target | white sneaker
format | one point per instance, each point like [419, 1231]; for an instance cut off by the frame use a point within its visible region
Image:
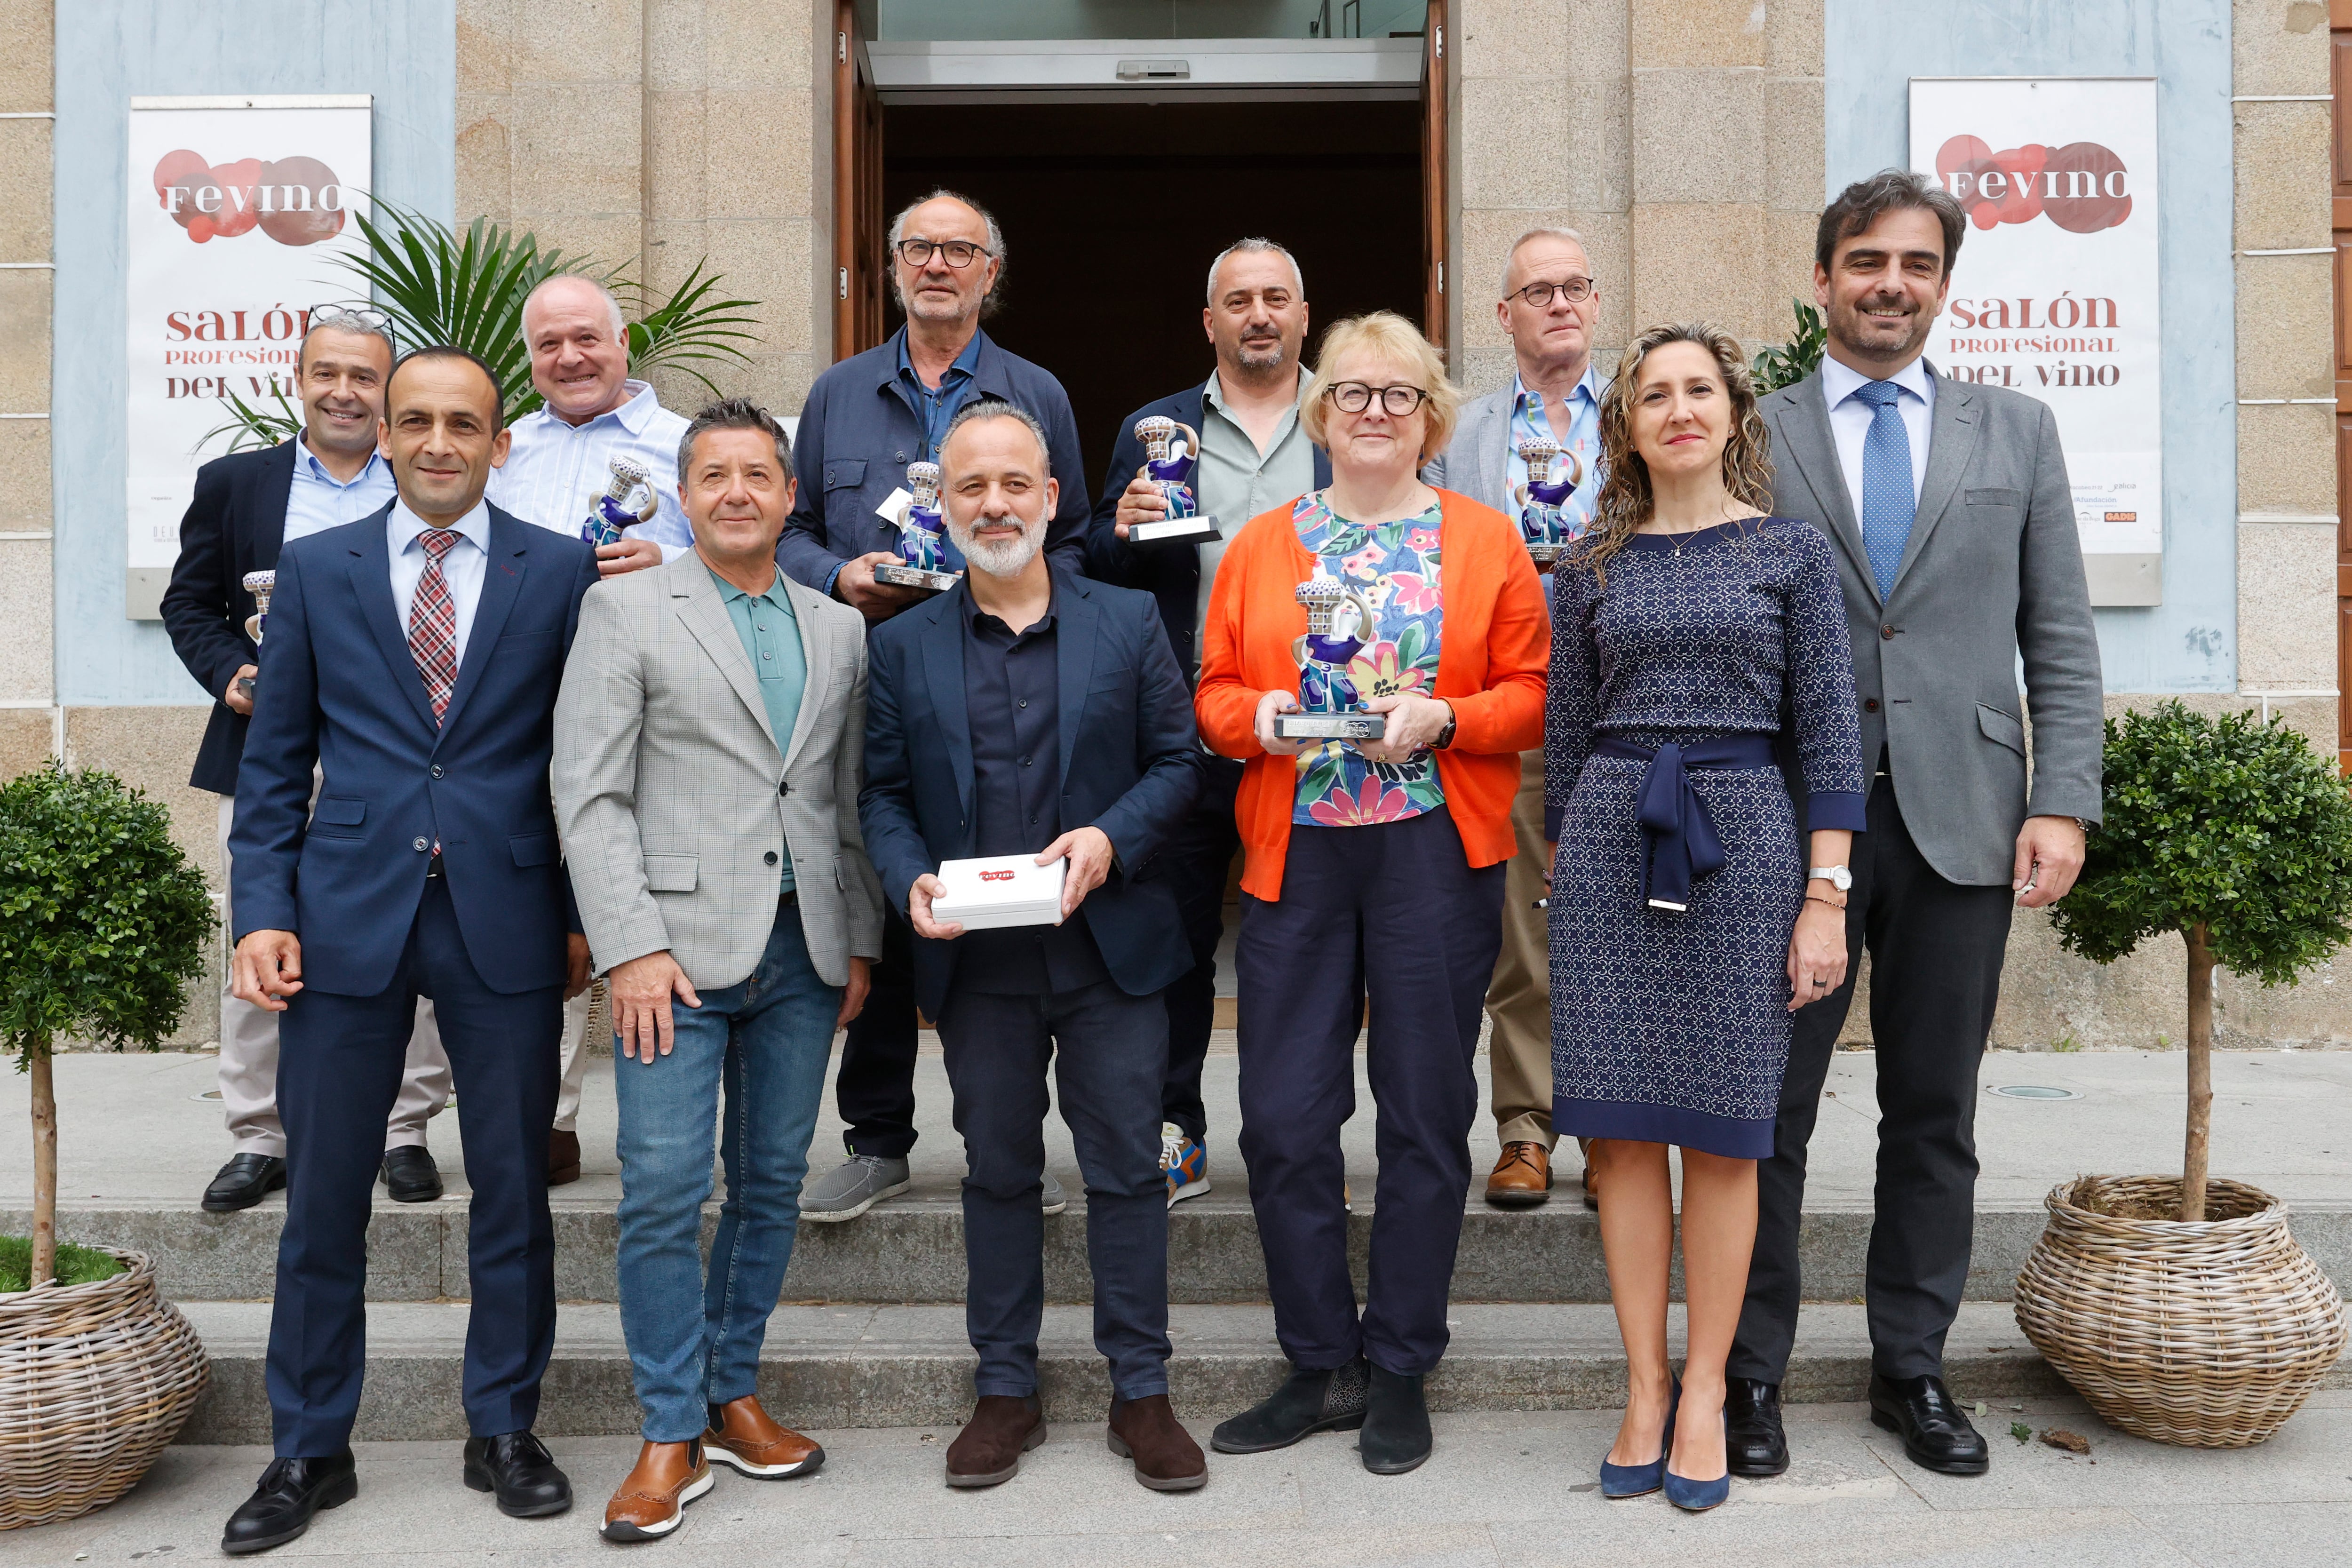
[1185, 1163]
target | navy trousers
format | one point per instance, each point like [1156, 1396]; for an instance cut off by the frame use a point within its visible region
[339, 1069]
[874, 1089]
[1195, 863]
[1108, 1051]
[1393, 913]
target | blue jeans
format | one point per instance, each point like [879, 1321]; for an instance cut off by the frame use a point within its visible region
[766, 1041]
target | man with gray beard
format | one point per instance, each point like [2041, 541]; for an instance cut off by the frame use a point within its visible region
[1029, 712]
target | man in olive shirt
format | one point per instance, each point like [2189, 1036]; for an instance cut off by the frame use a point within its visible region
[1255, 456]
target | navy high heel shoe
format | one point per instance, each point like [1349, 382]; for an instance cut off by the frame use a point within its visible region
[1696, 1496]
[1640, 1480]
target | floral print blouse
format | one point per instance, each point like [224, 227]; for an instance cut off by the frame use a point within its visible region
[1383, 640]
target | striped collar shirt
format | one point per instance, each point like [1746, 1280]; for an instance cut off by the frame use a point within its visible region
[555, 471]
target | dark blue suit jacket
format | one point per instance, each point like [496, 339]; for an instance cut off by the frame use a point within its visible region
[234, 524]
[1168, 573]
[1131, 766]
[338, 687]
[858, 432]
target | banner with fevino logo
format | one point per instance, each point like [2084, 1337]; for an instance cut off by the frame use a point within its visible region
[239, 208]
[2055, 289]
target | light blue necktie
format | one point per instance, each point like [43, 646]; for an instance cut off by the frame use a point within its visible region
[1888, 502]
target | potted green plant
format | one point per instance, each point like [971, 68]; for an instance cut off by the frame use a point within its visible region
[2180, 1307]
[103, 924]
[1790, 364]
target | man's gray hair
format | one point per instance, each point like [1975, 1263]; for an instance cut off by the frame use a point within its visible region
[1503, 289]
[734, 414]
[363, 321]
[1256, 245]
[899, 232]
[620, 322]
[997, 408]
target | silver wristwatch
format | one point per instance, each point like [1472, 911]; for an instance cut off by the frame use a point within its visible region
[1838, 877]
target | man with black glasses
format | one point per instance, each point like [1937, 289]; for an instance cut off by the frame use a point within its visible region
[866, 419]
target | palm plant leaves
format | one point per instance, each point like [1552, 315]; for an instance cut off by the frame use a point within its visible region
[1789, 364]
[689, 329]
[251, 427]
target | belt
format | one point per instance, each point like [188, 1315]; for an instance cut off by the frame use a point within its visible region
[1678, 837]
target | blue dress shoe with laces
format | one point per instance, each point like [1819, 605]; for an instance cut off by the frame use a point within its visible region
[1697, 1496]
[1641, 1480]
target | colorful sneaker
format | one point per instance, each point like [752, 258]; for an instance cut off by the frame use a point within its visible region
[1186, 1163]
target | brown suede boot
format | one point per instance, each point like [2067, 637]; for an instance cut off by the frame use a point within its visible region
[743, 1437]
[652, 1500]
[988, 1451]
[1147, 1431]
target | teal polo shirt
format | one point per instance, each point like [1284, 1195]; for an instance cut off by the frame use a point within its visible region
[772, 641]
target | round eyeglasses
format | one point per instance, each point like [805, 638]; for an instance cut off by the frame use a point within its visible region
[358, 318]
[1575, 290]
[955, 252]
[1355, 396]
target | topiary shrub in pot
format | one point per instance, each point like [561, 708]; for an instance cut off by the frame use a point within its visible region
[2180, 1307]
[102, 921]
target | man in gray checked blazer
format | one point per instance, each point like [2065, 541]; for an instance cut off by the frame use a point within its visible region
[709, 753]
[1948, 507]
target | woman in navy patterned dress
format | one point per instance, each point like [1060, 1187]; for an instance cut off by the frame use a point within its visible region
[1688, 630]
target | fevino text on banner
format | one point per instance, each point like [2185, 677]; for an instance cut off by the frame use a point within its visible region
[2055, 293]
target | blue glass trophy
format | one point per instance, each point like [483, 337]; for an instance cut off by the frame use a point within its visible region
[258, 584]
[1171, 451]
[1543, 500]
[922, 538]
[628, 499]
[1329, 707]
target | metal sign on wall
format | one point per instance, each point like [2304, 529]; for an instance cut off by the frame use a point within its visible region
[238, 209]
[2055, 290]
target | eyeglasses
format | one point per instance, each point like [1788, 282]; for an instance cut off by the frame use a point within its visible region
[1576, 291]
[352, 318]
[957, 252]
[1355, 396]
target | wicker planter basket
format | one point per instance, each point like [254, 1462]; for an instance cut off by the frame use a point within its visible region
[94, 1381]
[2209, 1335]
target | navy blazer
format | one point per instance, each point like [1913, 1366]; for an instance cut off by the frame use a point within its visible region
[858, 432]
[234, 524]
[339, 688]
[1168, 575]
[1131, 766]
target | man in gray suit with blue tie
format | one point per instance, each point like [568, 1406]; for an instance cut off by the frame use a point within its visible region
[1954, 528]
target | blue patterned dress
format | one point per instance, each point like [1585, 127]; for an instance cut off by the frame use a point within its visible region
[1668, 1026]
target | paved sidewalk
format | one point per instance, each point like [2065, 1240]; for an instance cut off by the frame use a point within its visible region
[1503, 1489]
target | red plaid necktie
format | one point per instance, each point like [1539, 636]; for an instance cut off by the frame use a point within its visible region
[433, 622]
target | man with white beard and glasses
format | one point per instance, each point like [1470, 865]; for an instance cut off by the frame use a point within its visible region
[1029, 712]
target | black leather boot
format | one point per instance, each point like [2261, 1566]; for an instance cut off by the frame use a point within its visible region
[1396, 1425]
[1307, 1401]
[1752, 1433]
[516, 1469]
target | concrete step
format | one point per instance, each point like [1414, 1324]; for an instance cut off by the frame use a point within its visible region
[911, 1367]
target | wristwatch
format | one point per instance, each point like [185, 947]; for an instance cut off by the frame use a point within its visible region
[1446, 736]
[1838, 877]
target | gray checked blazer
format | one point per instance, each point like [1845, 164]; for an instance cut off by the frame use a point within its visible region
[1992, 575]
[674, 799]
[1476, 461]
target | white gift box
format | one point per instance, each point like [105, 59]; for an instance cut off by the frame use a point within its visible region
[1013, 890]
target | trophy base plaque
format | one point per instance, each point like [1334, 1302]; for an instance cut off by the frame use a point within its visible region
[1175, 530]
[1330, 726]
[1546, 555]
[900, 575]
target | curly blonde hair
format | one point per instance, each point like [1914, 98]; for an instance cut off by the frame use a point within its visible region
[1626, 502]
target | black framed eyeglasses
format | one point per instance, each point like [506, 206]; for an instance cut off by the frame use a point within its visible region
[956, 252]
[1575, 290]
[1355, 396]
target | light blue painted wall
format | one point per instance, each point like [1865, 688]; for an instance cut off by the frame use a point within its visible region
[402, 51]
[2190, 643]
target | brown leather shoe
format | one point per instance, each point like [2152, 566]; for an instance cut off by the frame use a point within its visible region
[563, 1157]
[988, 1451]
[652, 1500]
[1591, 1188]
[1147, 1431]
[1522, 1178]
[747, 1440]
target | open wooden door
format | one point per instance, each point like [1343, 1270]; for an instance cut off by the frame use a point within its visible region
[2340, 148]
[858, 264]
[1433, 159]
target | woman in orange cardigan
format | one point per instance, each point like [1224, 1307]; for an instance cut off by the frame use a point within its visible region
[1372, 871]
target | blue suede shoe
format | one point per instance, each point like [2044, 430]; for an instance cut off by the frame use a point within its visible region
[1696, 1496]
[1640, 1480]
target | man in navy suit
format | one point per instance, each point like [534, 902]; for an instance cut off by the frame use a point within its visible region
[413, 657]
[1028, 713]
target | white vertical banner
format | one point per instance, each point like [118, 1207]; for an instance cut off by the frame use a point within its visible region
[2055, 289]
[239, 208]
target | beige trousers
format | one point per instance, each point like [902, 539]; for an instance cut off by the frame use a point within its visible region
[1520, 999]
[575, 1062]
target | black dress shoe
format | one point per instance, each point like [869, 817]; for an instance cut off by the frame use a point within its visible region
[1307, 1401]
[519, 1468]
[410, 1176]
[1934, 1431]
[1751, 1427]
[290, 1492]
[1396, 1425]
[243, 1182]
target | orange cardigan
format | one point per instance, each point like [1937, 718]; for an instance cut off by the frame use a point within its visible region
[1494, 652]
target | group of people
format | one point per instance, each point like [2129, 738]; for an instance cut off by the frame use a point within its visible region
[1643, 805]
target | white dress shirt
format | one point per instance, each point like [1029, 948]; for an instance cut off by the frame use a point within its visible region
[555, 471]
[1850, 419]
[317, 500]
[462, 568]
